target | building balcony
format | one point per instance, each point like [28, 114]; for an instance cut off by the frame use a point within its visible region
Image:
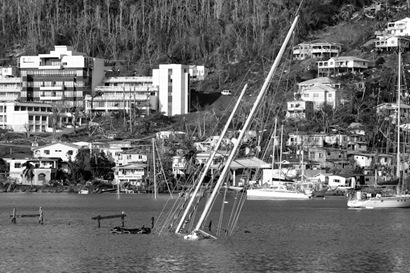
[50, 67]
[130, 176]
[324, 50]
[15, 80]
[117, 97]
[9, 97]
[126, 89]
[54, 88]
[10, 88]
[52, 98]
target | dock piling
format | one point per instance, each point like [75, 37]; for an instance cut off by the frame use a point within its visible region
[14, 216]
[99, 218]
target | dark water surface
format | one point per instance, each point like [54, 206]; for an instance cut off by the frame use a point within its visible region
[271, 236]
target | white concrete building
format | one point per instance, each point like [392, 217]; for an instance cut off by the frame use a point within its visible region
[173, 86]
[32, 117]
[392, 43]
[44, 170]
[133, 173]
[65, 151]
[198, 72]
[10, 88]
[128, 157]
[62, 77]
[399, 28]
[124, 94]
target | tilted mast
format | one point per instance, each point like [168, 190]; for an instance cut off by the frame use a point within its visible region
[209, 202]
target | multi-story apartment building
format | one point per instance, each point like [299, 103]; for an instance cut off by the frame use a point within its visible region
[122, 93]
[61, 77]
[316, 50]
[173, 87]
[10, 88]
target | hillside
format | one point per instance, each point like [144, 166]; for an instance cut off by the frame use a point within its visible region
[237, 41]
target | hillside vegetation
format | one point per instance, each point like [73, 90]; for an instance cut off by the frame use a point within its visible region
[236, 40]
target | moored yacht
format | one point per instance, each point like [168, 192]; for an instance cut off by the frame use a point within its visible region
[282, 191]
[359, 199]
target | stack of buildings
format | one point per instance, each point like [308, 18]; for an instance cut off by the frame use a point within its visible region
[45, 90]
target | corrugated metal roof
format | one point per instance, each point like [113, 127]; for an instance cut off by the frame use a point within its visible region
[249, 163]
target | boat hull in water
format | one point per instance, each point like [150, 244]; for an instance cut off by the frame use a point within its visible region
[319, 193]
[275, 194]
[358, 200]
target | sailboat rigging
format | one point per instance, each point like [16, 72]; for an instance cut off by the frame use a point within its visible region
[195, 231]
[358, 199]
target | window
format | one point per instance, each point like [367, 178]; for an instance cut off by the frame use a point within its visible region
[57, 151]
[129, 157]
[70, 152]
[46, 152]
[17, 165]
[337, 180]
[315, 95]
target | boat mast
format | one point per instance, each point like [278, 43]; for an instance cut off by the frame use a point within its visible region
[398, 116]
[154, 167]
[209, 202]
[209, 162]
[273, 147]
[280, 154]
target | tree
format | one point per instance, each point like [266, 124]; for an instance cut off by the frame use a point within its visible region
[28, 172]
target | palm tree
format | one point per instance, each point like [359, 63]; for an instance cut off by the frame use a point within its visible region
[28, 172]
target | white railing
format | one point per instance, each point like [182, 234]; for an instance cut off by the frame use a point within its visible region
[57, 87]
[51, 98]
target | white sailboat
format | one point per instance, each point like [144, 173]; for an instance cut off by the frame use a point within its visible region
[279, 190]
[360, 199]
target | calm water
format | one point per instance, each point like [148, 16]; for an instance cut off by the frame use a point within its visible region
[279, 236]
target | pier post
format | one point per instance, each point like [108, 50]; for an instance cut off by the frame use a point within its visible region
[13, 217]
[123, 218]
[40, 219]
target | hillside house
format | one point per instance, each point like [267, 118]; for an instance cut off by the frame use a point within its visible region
[128, 157]
[392, 43]
[342, 65]
[342, 181]
[316, 50]
[198, 72]
[320, 91]
[44, 170]
[133, 173]
[179, 162]
[328, 158]
[65, 151]
[299, 109]
[305, 140]
[399, 28]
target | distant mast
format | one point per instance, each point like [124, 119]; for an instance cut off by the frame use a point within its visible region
[398, 115]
